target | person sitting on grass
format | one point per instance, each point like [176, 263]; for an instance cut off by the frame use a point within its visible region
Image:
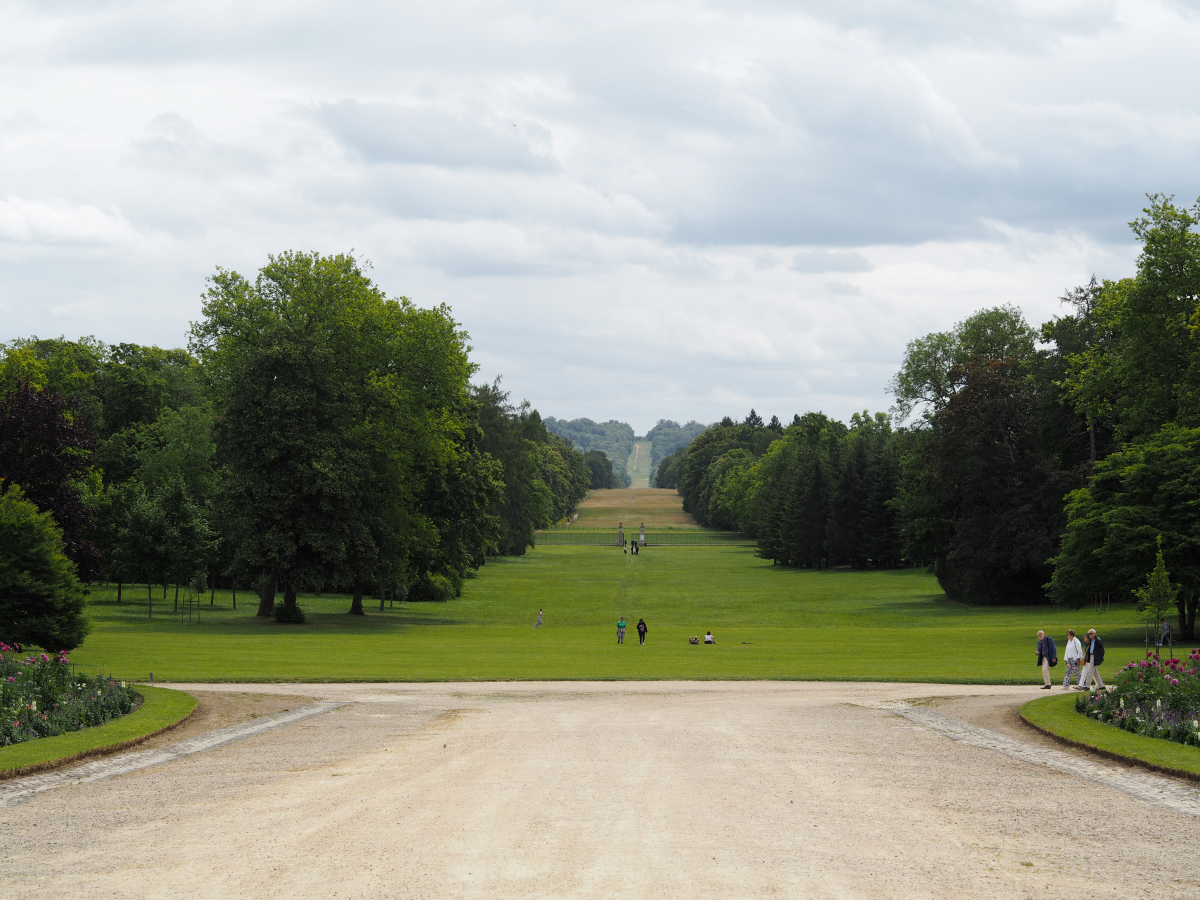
[709, 639]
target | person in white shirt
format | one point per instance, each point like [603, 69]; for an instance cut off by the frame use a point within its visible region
[709, 639]
[1073, 657]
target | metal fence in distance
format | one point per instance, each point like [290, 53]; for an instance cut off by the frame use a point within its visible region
[606, 538]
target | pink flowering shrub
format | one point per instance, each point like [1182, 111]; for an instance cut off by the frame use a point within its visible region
[40, 696]
[1155, 697]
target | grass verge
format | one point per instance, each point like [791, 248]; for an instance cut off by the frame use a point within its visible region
[1056, 717]
[161, 709]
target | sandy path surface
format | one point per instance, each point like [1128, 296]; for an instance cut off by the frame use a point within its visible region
[611, 790]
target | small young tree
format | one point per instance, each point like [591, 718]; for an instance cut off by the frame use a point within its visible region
[1156, 599]
[41, 599]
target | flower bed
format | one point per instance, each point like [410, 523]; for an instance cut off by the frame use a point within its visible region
[41, 697]
[1156, 698]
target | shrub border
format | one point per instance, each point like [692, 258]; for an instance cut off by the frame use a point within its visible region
[1056, 718]
[161, 710]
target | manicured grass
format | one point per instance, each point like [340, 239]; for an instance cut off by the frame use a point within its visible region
[161, 709]
[1057, 715]
[770, 622]
[657, 507]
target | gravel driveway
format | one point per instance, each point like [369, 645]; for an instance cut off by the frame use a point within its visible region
[605, 790]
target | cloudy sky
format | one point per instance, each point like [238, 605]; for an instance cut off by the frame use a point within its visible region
[638, 210]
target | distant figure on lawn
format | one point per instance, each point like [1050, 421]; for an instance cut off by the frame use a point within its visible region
[1093, 655]
[633, 546]
[1047, 656]
[1164, 635]
[642, 629]
[1073, 656]
[621, 625]
[709, 639]
[538, 623]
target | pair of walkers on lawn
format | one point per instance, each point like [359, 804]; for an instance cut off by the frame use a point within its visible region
[641, 630]
[1082, 659]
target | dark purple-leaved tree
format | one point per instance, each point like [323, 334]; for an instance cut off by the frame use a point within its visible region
[48, 454]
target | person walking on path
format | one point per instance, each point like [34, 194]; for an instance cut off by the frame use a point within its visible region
[1047, 656]
[1093, 655]
[1164, 636]
[538, 623]
[642, 629]
[1072, 656]
[621, 625]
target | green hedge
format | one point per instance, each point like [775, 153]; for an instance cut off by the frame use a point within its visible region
[161, 709]
[1056, 715]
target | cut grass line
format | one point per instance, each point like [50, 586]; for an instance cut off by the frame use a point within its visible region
[1056, 718]
[161, 710]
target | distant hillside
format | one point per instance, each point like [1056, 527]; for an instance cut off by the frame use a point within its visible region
[612, 438]
[666, 437]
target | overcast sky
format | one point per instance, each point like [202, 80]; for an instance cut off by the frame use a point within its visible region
[638, 210]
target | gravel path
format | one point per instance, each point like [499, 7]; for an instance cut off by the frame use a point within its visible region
[610, 790]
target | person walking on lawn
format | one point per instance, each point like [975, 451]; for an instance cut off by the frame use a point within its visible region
[1072, 656]
[538, 623]
[621, 626]
[1093, 655]
[1047, 656]
[642, 629]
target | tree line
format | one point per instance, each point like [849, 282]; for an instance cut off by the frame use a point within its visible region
[315, 435]
[1019, 464]
[606, 447]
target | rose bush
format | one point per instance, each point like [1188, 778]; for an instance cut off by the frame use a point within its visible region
[1157, 698]
[40, 696]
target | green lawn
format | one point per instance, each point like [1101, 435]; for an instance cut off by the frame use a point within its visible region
[1057, 715]
[160, 709]
[770, 622]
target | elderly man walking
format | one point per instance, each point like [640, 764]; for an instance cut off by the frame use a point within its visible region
[1093, 655]
[1047, 656]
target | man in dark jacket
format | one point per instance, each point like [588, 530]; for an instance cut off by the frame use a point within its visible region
[1047, 656]
[1093, 655]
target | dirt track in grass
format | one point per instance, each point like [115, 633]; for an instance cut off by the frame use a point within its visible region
[605, 790]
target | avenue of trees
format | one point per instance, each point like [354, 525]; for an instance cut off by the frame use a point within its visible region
[1019, 464]
[612, 439]
[316, 435]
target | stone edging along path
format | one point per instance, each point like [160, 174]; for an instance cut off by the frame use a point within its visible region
[19, 790]
[1156, 789]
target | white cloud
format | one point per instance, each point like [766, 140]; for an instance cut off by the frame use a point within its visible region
[638, 210]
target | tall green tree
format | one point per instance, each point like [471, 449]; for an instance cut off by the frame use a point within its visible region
[1146, 492]
[332, 403]
[41, 599]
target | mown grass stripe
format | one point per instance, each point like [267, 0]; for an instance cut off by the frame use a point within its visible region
[161, 709]
[1056, 718]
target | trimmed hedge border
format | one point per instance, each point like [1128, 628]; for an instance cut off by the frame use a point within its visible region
[1056, 718]
[161, 710]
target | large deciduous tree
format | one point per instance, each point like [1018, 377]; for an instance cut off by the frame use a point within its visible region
[1147, 492]
[45, 451]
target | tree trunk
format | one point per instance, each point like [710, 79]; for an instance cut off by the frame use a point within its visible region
[289, 598]
[119, 592]
[164, 590]
[266, 597]
[235, 594]
[213, 593]
[149, 600]
[382, 595]
[356, 607]
[176, 597]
